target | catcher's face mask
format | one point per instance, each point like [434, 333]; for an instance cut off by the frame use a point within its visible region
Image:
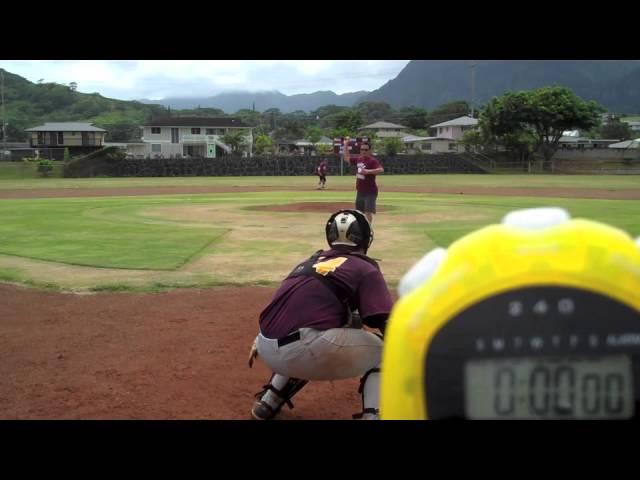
[349, 227]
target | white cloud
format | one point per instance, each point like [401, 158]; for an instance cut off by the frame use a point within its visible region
[133, 79]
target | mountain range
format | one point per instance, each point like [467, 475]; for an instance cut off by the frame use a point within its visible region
[429, 83]
[231, 102]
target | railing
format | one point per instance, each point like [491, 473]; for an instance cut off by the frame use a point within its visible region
[190, 138]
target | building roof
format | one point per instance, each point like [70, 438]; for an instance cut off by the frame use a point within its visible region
[303, 142]
[65, 127]
[566, 139]
[626, 144]
[196, 122]
[413, 138]
[458, 122]
[122, 144]
[382, 125]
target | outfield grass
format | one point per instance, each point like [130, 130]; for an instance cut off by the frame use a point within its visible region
[606, 182]
[155, 242]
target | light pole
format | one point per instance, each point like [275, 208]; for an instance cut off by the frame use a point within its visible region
[4, 118]
[473, 86]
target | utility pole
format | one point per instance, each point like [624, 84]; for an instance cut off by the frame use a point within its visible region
[473, 86]
[4, 118]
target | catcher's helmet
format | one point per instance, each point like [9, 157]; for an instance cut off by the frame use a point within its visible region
[349, 227]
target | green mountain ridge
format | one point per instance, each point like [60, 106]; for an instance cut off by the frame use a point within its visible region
[427, 83]
[29, 104]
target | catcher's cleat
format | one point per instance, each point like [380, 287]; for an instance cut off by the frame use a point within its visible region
[367, 414]
[262, 411]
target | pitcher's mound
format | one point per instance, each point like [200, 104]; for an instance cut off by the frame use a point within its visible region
[323, 207]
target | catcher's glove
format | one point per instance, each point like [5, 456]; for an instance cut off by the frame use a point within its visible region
[253, 353]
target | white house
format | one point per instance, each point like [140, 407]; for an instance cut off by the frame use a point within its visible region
[582, 143]
[454, 129]
[634, 126]
[386, 129]
[634, 144]
[414, 144]
[305, 147]
[132, 149]
[192, 136]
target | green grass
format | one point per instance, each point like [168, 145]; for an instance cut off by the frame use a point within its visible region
[19, 171]
[157, 243]
[106, 233]
[347, 181]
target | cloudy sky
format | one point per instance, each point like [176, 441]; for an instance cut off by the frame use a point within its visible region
[156, 79]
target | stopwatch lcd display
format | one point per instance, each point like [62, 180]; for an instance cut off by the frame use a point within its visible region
[536, 352]
[597, 387]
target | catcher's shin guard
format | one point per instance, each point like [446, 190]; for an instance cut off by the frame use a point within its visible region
[370, 396]
[271, 398]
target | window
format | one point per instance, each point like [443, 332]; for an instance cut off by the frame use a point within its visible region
[195, 131]
[156, 130]
[426, 146]
[156, 147]
[60, 138]
[452, 147]
[40, 138]
[209, 131]
[73, 134]
[440, 131]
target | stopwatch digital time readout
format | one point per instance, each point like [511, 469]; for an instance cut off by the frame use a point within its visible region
[531, 388]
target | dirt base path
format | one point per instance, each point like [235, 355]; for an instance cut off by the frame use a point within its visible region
[176, 355]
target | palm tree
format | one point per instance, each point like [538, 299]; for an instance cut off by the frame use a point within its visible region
[236, 140]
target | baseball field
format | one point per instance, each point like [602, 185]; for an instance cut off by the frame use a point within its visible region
[138, 298]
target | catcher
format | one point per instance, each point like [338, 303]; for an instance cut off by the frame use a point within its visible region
[310, 330]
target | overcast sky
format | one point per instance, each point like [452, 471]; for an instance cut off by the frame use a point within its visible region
[156, 79]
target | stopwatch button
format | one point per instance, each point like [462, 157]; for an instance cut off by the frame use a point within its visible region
[536, 218]
[422, 271]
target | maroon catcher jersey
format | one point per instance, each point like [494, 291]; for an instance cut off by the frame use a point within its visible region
[304, 301]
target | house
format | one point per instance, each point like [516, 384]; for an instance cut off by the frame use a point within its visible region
[414, 144]
[634, 126]
[15, 150]
[286, 146]
[584, 143]
[454, 129]
[79, 137]
[634, 144]
[305, 147]
[192, 136]
[386, 129]
[132, 149]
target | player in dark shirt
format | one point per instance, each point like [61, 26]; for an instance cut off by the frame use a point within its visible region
[366, 187]
[322, 173]
[310, 330]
